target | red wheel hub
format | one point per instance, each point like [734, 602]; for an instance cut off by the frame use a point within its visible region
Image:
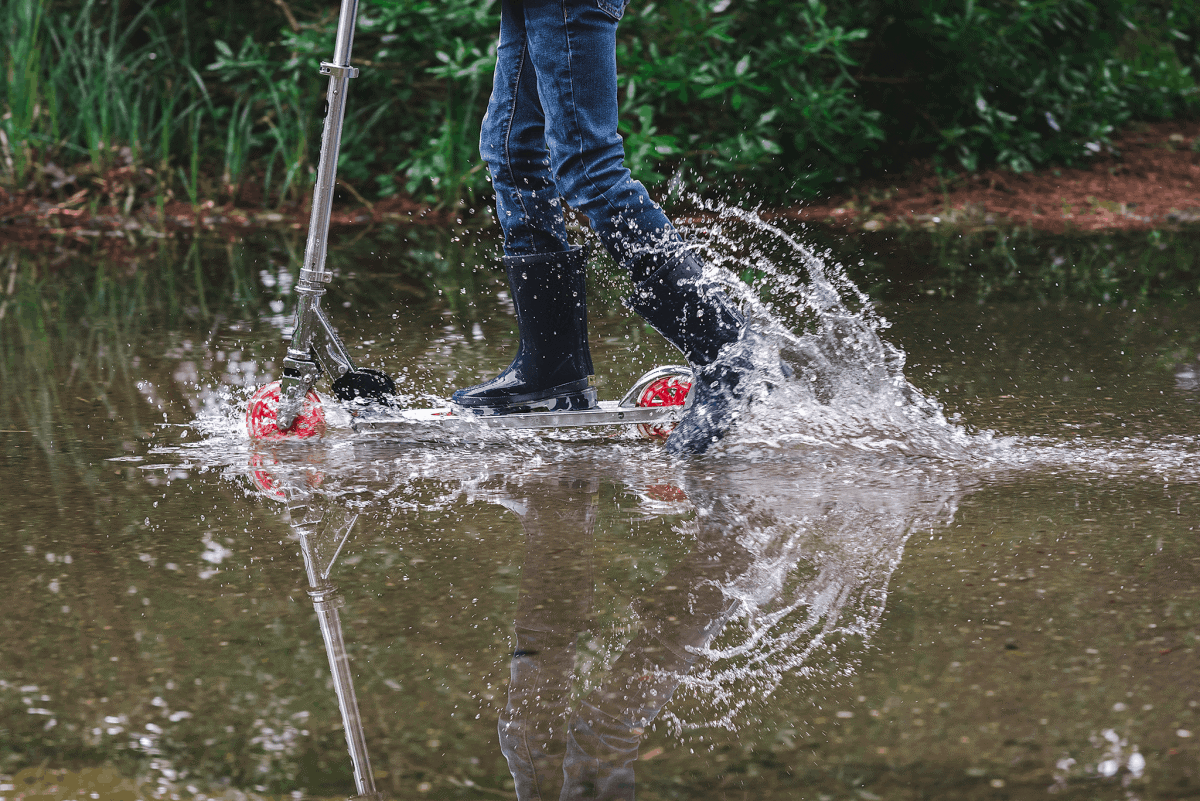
[671, 390]
[666, 492]
[260, 416]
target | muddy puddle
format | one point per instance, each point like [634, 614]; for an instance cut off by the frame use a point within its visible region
[955, 555]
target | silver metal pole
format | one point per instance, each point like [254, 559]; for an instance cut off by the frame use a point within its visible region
[340, 72]
[299, 370]
[318, 562]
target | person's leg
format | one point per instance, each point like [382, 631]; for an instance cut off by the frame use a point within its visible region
[553, 364]
[572, 46]
[513, 145]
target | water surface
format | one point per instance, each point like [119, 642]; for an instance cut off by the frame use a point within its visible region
[955, 557]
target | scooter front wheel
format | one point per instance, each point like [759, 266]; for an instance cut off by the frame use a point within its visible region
[261, 415]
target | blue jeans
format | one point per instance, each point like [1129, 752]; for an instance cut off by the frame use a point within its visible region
[550, 134]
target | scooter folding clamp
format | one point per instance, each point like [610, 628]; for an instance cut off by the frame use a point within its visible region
[315, 276]
[326, 597]
[303, 369]
[338, 71]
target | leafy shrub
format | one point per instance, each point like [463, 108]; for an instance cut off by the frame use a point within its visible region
[746, 88]
[414, 115]
[1024, 82]
[790, 96]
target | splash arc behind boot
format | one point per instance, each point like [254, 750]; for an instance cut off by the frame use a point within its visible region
[696, 316]
[552, 370]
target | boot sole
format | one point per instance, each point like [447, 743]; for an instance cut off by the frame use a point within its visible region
[574, 396]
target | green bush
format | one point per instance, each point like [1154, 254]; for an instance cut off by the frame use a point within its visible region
[1026, 82]
[789, 96]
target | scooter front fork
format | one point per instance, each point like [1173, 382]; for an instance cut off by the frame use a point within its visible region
[314, 347]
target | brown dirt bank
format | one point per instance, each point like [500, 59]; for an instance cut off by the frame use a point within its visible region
[1149, 179]
[35, 223]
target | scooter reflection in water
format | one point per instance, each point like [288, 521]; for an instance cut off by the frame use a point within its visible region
[552, 753]
[797, 553]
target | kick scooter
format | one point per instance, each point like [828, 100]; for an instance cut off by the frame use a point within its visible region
[291, 409]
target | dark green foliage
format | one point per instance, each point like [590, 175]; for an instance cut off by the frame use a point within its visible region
[1026, 82]
[751, 88]
[788, 96]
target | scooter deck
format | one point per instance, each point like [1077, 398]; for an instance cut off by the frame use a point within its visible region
[608, 413]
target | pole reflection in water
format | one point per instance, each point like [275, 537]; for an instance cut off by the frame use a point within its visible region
[785, 561]
[322, 528]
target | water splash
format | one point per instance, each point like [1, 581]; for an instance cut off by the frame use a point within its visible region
[828, 376]
[829, 380]
[821, 541]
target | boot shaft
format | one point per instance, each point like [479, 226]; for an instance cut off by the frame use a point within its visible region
[549, 292]
[553, 366]
[690, 310]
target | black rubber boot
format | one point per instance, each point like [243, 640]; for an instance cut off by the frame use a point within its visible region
[553, 367]
[696, 316]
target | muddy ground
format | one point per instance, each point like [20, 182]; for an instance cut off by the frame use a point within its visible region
[1149, 178]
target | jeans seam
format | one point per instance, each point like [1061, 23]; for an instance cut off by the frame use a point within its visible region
[512, 117]
[615, 15]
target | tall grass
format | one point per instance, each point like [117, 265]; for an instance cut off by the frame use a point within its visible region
[22, 78]
[87, 88]
[271, 113]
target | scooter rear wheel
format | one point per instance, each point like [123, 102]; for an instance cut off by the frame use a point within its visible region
[261, 415]
[670, 390]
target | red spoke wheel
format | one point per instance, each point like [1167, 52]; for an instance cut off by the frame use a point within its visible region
[261, 411]
[264, 479]
[668, 493]
[671, 390]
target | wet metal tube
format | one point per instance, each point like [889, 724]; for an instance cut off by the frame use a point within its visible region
[326, 602]
[299, 369]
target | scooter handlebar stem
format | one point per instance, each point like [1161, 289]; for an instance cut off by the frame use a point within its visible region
[300, 370]
[340, 72]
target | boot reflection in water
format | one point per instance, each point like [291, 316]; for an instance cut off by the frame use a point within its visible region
[554, 606]
[549, 136]
[590, 754]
